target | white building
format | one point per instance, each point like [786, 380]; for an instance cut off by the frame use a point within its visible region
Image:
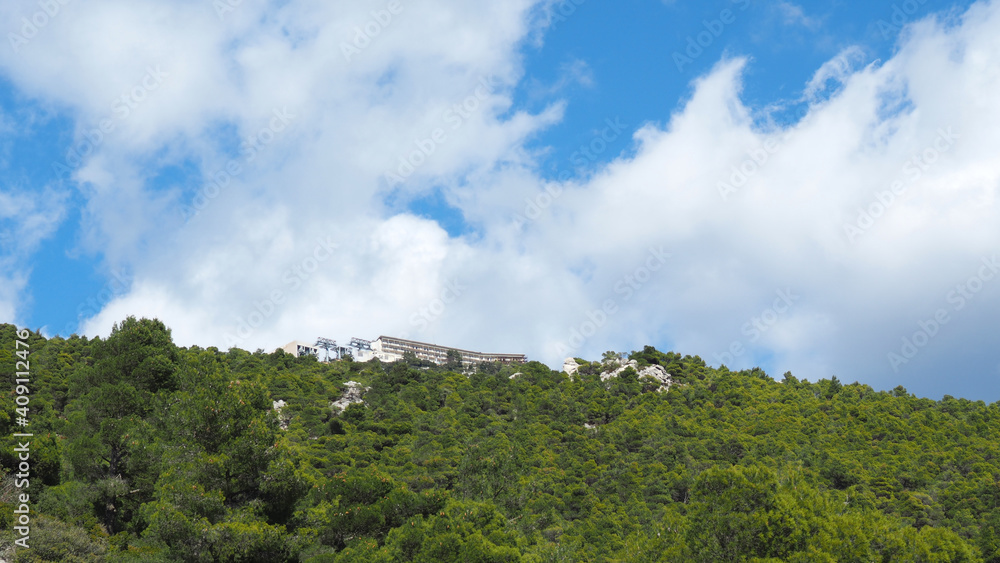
[298, 349]
[389, 349]
[362, 355]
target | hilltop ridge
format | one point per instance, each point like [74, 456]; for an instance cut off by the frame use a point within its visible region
[143, 451]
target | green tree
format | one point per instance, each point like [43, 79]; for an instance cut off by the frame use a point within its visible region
[107, 416]
[453, 361]
[737, 516]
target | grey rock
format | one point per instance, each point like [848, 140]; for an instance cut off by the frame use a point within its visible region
[655, 372]
[282, 419]
[354, 393]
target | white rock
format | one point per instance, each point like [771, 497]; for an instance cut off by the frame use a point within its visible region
[615, 372]
[570, 366]
[282, 419]
[354, 393]
[515, 375]
[657, 372]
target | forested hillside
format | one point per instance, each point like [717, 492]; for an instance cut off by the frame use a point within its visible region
[144, 452]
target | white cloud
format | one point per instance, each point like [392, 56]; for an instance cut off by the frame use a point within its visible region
[785, 227]
[26, 220]
[837, 69]
[522, 288]
[793, 14]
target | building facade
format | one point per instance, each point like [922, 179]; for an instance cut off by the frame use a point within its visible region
[298, 349]
[390, 349]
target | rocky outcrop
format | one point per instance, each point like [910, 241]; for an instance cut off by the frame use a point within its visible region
[353, 393]
[655, 372]
[571, 367]
[282, 419]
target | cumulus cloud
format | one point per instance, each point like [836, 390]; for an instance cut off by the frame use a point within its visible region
[836, 69]
[871, 210]
[815, 247]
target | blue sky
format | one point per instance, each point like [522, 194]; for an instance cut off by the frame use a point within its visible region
[628, 53]
[601, 144]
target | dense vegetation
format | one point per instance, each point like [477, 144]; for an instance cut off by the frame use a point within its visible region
[146, 452]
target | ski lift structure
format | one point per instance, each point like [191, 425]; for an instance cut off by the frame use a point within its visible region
[327, 344]
[340, 352]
